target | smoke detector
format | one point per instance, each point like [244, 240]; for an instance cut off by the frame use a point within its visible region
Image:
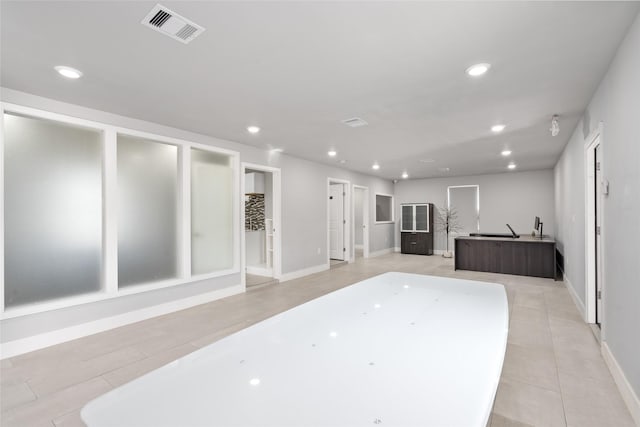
[171, 24]
[355, 122]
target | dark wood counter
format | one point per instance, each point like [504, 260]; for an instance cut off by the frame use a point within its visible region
[525, 256]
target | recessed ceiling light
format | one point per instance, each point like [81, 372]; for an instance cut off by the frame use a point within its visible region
[512, 166]
[405, 175]
[506, 153]
[255, 381]
[68, 72]
[375, 166]
[478, 69]
[332, 153]
[276, 150]
[253, 129]
[497, 128]
[343, 161]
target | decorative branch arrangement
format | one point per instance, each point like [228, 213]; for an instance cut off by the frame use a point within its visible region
[447, 222]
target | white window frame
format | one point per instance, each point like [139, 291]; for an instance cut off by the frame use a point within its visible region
[375, 210]
[109, 283]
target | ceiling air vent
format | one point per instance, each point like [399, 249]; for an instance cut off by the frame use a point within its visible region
[355, 122]
[171, 24]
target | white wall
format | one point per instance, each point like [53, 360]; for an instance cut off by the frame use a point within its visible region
[616, 104]
[515, 198]
[255, 247]
[304, 221]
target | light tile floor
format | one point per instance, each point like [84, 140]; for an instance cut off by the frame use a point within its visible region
[255, 280]
[553, 373]
[333, 263]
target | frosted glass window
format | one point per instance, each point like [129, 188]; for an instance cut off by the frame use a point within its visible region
[53, 210]
[422, 217]
[407, 218]
[384, 208]
[211, 212]
[465, 202]
[147, 211]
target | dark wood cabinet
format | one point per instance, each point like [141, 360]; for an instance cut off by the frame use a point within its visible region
[525, 257]
[416, 227]
[416, 243]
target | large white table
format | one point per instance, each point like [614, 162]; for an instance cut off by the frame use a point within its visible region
[394, 350]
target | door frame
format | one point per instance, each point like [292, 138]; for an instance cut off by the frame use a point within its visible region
[347, 226]
[365, 222]
[594, 139]
[276, 184]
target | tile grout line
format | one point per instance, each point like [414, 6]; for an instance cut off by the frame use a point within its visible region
[555, 358]
[306, 290]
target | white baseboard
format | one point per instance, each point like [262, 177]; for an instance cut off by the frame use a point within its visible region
[397, 249]
[381, 252]
[576, 300]
[259, 271]
[304, 272]
[36, 342]
[358, 246]
[628, 394]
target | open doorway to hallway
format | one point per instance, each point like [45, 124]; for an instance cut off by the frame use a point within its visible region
[338, 236]
[261, 242]
[360, 222]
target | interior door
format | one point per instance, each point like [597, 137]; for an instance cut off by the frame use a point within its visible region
[598, 231]
[359, 225]
[336, 221]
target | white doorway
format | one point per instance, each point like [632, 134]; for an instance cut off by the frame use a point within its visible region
[594, 231]
[598, 213]
[336, 222]
[360, 222]
[338, 237]
[261, 224]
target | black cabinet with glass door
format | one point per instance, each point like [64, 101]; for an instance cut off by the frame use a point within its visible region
[416, 228]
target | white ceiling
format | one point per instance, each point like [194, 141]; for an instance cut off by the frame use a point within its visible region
[298, 69]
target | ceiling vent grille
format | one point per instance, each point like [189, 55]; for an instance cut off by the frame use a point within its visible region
[171, 24]
[355, 122]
